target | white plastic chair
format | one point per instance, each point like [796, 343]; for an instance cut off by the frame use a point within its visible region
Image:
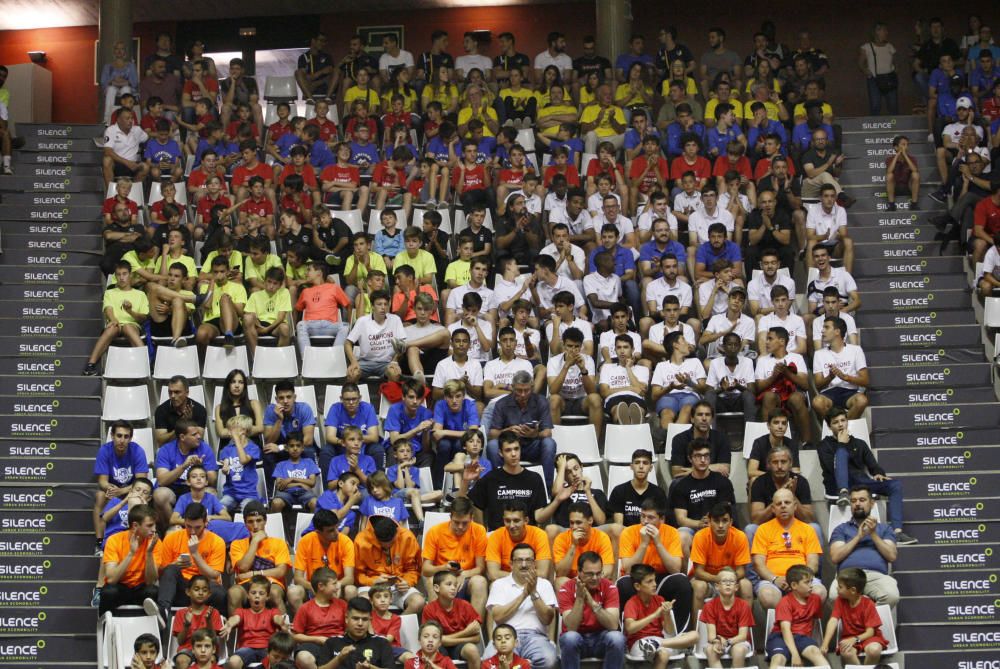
[677, 653]
[409, 630]
[699, 649]
[352, 218]
[135, 194]
[839, 516]
[280, 89]
[620, 441]
[274, 526]
[596, 476]
[581, 440]
[171, 361]
[197, 393]
[302, 521]
[127, 363]
[305, 394]
[585, 163]
[888, 631]
[275, 362]
[751, 432]
[118, 635]
[738, 477]
[462, 224]
[991, 313]
[418, 219]
[319, 362]
[857, 427]
[332, 395]
[817, 633]
[811, 470]
[538, 469]
[618, 474]
[219, 362]
[673, 430]
[126, 403]
[526, 138]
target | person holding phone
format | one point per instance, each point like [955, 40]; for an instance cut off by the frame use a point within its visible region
[526, 414]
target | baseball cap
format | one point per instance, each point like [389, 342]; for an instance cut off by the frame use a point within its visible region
[964, 102]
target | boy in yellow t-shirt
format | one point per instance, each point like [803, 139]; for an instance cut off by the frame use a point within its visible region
[459, 271]
[224, 302]
[258, 261]
[125, 308]
[267, 310]
[416, 257]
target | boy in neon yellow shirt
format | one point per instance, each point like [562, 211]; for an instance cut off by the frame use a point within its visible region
[125, 308]
[224, 303]
[266, 312]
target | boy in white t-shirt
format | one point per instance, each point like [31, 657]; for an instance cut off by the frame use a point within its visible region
[563, 317]
[652, 343]
[826, 225]
[603, 288]
[782, 316]
[375, 342]
[573, 383]
[733, 320]
[619, 326]
[840, 373]
[624, 384]
[831, 308]
[479, 328]
[459, 365]
[730, 380]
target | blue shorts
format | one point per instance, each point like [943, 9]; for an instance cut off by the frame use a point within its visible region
[839, 396]
[776, 644]
[251, 655]
[295, 496]
[677, 401]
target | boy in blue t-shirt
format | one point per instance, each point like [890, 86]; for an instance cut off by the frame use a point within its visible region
[163, 154]
[341, 499]
[364, 153]
[405, 479]
[295, 478]
[381, 501]
[411, 420]
[389, 240]
[198, 482]
[239, 464]
[352, 460]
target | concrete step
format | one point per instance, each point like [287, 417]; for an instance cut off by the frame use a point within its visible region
[66, 327]
[75, 243]
[56, 172]
[931, 376]
[46, 259]
[950, 638]
[54, 130]
[24, 598]
[74, 183]
[967, 610]
[22, 311]
[40, 294]
[28, 158]
[917, 338]
[941, 459]
[895, 319]
[67, 650]
[926, 266]
[914, 359]
[958, 435]
[868, 125]
[92, 228]
[78, 497]
[912, 300]
[75, 145]
[44, 472]
[947, 513]
[964, 659]
[900, 250]
[39, 346]
[958, 584]
[858, 217]
[879, 235]
[72, 427]
[56, 620]
[959, 534]
[859, 157]
[875, 175]
[42, 570]
[55, 273]
[912, 284]
[60, 199]
[938, 398]
[24, 212]
[965, 416]
[950, 485]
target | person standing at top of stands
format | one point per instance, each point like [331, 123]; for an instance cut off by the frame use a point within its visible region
[847, 461]
[862, 542]
[177, 406]
[315, 73]
[122, 157]
[702, 416]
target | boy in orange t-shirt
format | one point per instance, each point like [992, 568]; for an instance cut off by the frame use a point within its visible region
[260, 555]
[580, 538]
[713, 548]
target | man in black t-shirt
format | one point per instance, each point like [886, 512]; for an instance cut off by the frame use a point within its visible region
[569, 474]
[590, 62]
[779, 475]
[692, 496]
[701, 428]
[314, 72]
[509, 59]
[431, 61]
[366, 649]
[777, 435]
[671, 50]
[503, 484]
[178, 405]
[626, 499]
[769, 227]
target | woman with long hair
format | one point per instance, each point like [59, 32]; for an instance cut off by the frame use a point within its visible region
[236, 401]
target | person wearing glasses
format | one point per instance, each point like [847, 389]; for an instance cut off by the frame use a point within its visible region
[351, 410]
[590, 615]
[527, 603]
[779, 544]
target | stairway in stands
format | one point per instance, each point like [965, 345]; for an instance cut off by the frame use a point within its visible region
[50, 313]
[934, 414]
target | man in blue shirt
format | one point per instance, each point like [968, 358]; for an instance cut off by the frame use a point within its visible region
[764, 127]
[410, 419]
[624, 264]
[634, 55]
[653, 251]
[118, 464]
[802, 132]
[283, 417]
[866, 544]
[351, 410]
[641, 127]
[684, 125]
[173, 461]
[717, 248]
[983, 76]
[726, 130]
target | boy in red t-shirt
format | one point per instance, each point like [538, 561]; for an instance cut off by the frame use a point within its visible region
[341, 182]
[735, 159]
[255, 625]
[790, 640]
[859, 621]
[199, 615]
[459, 622]
[320, 618]
[472, 181]
[649, 172]
[122, 189]
[649, 624]
[561, 165]
[204, 649]
[729, 621]
[389, 182]
[281, 127]
[430, 656]
[385, 623]
[242, 116]
[504, 642]
[327, 128]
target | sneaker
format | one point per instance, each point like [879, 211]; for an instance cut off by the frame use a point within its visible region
[332, 260]
[399, 346]
[90, 369]
[904, 539]
[527, 123]
[419, 376]
[843, 500]
[180, 342]
[7, 170]
[201, 298]
[939, 196]
[914, 205]
[637, 414]
[229, 341]
[432, 202]
[95, 597]
[98, 549]
[151, 609]
[845, 200]
[518, 123]
[890, 206]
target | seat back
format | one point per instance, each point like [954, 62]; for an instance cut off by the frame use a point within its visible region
[620, 441]
[280, 89]
[580, 440]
